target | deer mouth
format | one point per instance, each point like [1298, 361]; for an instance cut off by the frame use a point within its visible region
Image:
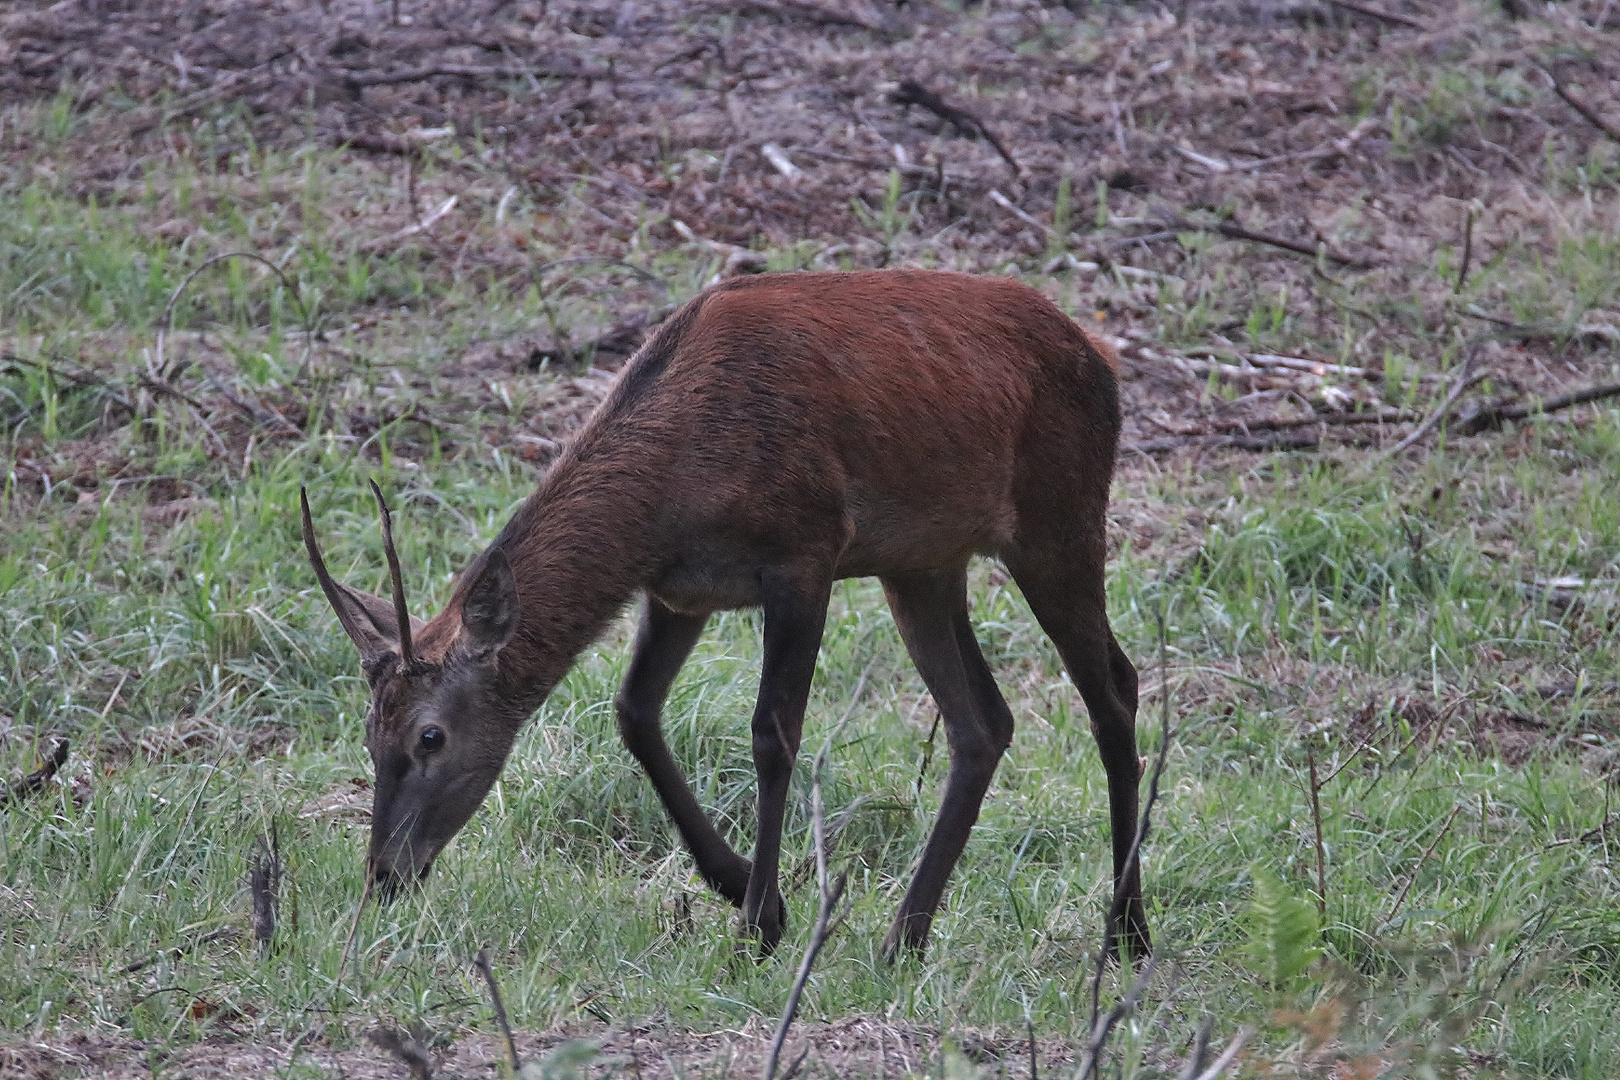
[387, 884]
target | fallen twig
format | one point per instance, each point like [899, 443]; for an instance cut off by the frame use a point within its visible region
[88, 380]
[911, 92]
[406, 1048]
[1587, 112]
[617, 343]
[36, 780]
[1333, 149]
[1101, 1026]
[1491, 416]
[433, 218]
[1013, 208]
[1229, 1055]
[481, 962]
[812, 13]
[830, 894]
[1235, 231]
[1546, 330]
[1412, 878]
[224, 933]
[467, 71]
[781, 162]
[1277, 440]
[1379, 14]
[264, 883]
[1465, 379]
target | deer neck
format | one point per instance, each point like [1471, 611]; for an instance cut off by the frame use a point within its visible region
[580, 549]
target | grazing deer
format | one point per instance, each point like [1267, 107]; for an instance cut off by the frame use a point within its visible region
[777, 434]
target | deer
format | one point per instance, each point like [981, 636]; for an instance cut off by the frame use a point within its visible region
[775, 435]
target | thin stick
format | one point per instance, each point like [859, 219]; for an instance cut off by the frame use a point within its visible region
[1200, 1049]
[1492, 417]
[166, 323]
[911, 92]
[354, 929]
[830, 896]
[1412, 878]
[1465, 379]
[1220, 1064]
[41, 776]
[1468, 252]
[481, 962]
[1102, 1027]
[1379, 14]
[1237, 232]
[1316, 819]
[224, 933]
[1584, 109]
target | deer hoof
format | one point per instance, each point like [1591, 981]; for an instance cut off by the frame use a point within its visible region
[764, 933]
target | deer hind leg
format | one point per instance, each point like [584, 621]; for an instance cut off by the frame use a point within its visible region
[795, 608]
[663, 642]
[931, 612]
[1063, 583]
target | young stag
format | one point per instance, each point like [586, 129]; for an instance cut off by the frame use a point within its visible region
[777, 434]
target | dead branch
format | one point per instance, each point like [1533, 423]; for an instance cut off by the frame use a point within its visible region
[1235, 231]
[87, 380]
[481, 962]
[1379, 14]
[1465, 379]
[467, 71]
[1587, 112]
[382, 243]
[830, 894]
[811, 13]
[35, 781]
[264, 883]
[1200, 1050]
[1276, 440]
[1412, 878]
[406, 1048]
[224, 933]
[1101, 1026]
[911, 92]
[1332, 149]
[1491, 416]
[616, 344]
[1222, 1063]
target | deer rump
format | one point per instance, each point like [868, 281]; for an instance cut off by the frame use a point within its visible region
[777, 434]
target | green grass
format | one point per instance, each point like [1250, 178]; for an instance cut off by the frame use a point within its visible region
[1309, 602]
[571, 873]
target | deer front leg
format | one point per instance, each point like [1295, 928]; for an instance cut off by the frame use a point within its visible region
[795, 609]
[663, 642]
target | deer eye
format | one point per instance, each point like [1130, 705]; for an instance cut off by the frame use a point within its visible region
[431, 740]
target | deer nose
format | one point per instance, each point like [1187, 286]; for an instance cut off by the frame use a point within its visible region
[387, 882]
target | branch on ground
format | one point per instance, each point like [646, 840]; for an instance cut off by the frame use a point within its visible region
[35, 781]
[911, 92]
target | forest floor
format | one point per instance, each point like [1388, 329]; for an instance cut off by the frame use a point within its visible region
[1361, 265]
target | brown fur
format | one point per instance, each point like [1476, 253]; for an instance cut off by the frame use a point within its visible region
[778, 433]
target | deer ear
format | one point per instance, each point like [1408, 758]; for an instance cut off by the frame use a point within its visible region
[378, 614]
[489, 611]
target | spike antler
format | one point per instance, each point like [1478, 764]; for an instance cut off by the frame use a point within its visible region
[405, 657]
[334, 596]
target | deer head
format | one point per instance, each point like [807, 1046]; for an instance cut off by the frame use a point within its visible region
[438, 728]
